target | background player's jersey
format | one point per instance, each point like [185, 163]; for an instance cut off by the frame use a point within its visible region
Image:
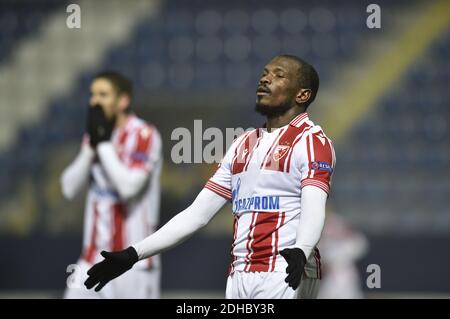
[263, 175]
[342, 246]
[112, 223]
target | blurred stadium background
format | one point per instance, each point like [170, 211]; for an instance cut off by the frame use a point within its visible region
[384, 100]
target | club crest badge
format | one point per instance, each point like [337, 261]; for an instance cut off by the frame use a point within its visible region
[281, 151]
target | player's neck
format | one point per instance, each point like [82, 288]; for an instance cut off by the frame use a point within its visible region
[122, 119]
[277, 121]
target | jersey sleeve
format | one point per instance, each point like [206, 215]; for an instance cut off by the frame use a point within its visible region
[220, 182]
[317, 162]
[146, 149]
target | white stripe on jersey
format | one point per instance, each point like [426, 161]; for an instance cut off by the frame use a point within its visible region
[311, 154]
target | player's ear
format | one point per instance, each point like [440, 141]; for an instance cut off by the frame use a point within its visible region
[303, 96]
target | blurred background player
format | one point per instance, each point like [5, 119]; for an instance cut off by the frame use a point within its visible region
[341, 247]
[120, 159]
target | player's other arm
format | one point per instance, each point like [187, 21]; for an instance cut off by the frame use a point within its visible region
[317, 165]
[76, 175]
[178, 229]
[127, 180]
[312, 219]
[310, 228]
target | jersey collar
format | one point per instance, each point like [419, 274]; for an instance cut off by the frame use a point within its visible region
[296, 121]
[299, 119]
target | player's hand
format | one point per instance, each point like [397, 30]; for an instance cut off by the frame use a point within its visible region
[99, 126]
[114, 264]
[296, 260]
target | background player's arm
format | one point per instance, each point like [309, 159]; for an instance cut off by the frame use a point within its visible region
[76, 175]
[312, 218]
[128, 181]
[183, 225]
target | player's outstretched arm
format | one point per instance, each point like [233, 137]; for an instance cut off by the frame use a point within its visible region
[310, 228]
[76, 175]
[179, 228]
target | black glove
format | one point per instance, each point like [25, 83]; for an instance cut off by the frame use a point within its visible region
[296, 260]
[99, 126]
[114, 264]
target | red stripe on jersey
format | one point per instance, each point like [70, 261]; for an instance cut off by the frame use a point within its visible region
[233, 257]
[253, 149]
[322, 148]
[274, 143]
[313, 182]
[321, 152]
[218, 189]
[261, 245]
[304, 128]
[119, 214]
[234, 159]
[281, 153]
[242, 152]
[298, 119]
[278, 154]
[333, 155]
[121, 139]
[143, 146]
[90, 251]
[275, 253]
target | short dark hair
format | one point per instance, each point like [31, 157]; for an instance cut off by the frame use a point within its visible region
[307, 76]
[121, 84]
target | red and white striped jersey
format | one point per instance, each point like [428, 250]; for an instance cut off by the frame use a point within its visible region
[263, 174]
[112, 223]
